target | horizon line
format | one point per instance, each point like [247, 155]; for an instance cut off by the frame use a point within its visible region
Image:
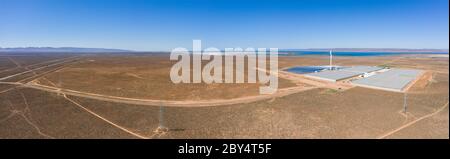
[283, 49]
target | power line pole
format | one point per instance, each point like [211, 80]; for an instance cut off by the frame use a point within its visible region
[161, 116]
[404, 103]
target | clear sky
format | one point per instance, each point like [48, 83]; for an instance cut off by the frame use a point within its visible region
[155, 25]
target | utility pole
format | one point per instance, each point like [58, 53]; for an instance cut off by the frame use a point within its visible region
[59, 79]
[404, 103]
[161, 116]
[161, 128]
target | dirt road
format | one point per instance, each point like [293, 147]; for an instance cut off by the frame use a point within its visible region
[150, 102]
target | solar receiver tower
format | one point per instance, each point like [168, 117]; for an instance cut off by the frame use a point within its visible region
[331, 59]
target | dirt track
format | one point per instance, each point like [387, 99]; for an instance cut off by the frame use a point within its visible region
[280, 93]
[412, 122]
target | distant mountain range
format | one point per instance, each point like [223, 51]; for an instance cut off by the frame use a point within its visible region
[99, 50]
[372, 50]
[60, 49]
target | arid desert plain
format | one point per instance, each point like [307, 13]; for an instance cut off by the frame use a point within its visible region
[130, 95]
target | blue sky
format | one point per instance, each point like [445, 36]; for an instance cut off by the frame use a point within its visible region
[166, 24]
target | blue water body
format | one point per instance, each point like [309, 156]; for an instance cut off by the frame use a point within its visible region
[326, 53]
[307, 69]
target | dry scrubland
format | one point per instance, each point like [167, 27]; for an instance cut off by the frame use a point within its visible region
[51, 115]
[316, 113]
[144, 77]
[5, 63]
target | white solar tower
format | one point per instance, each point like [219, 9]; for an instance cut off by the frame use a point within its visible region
[331, 59]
